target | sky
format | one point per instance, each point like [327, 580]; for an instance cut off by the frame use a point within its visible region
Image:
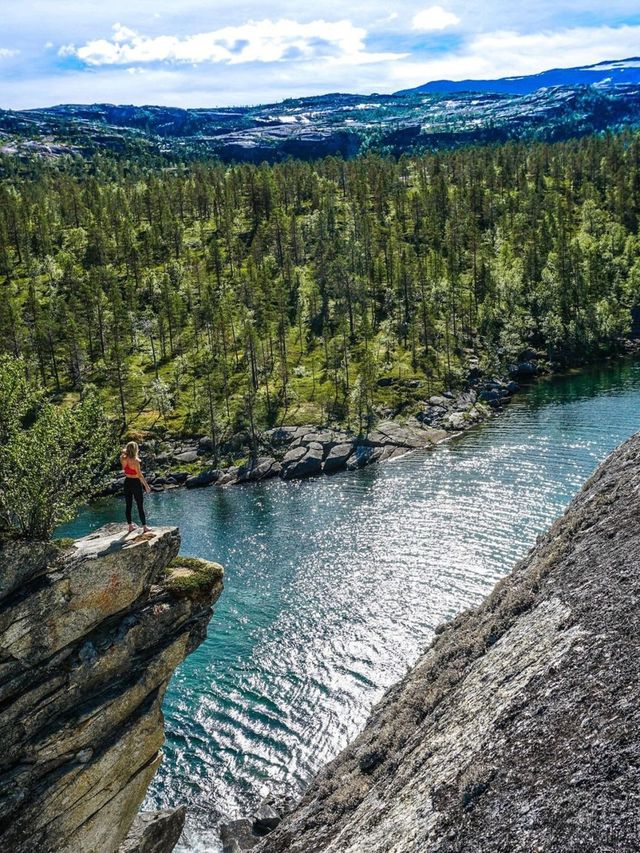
[199, 53]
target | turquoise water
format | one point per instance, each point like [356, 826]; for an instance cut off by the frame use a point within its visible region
[334, 585]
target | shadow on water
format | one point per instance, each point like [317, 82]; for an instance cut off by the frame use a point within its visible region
[334, 585]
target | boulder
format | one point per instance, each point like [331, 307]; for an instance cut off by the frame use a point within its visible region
[303, 466]
[454, 421]
[154, 832]
[258, 469]
[238, 835]
[465, 400]
[326, 438]
[364, 455]
[178, 477]
[186, 457]
[265, 819]
[389, 432]
[337, 457]
[204, 478]
[440, 401]
[491, 397]
[523, 368]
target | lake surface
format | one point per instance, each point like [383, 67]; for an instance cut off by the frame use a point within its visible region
[334, 585]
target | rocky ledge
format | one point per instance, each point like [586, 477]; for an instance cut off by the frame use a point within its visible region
[519, 728]
[90, 634]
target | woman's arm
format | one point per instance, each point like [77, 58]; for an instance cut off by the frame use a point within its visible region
[146, 485]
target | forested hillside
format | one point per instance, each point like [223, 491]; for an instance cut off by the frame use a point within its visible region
[212, 297]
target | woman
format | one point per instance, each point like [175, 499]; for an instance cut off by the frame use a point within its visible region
[134, 481]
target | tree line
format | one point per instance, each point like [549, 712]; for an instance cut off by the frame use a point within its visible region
[222, 298]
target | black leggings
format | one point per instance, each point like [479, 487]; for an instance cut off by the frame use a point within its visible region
[133, 489]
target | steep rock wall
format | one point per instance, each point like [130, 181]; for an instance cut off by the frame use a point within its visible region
[90, 634]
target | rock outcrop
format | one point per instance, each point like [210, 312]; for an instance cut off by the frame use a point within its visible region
[519, 728]
[90, 634]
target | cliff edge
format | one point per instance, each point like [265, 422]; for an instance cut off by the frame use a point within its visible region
[90, 634]
[519, 728]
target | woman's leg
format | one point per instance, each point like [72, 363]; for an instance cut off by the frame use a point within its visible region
[139, 496]
[128, 497]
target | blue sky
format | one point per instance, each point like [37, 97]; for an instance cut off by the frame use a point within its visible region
[196, 53]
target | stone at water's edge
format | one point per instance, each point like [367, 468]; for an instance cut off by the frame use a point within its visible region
[90, 634]
[154, 832]
[519, 728]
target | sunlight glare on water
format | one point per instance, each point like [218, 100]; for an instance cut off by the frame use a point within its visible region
[334, 585]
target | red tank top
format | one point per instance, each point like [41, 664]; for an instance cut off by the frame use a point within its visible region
[129, 471]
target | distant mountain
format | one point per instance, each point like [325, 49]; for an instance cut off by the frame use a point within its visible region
[608, 73]
[339, 124]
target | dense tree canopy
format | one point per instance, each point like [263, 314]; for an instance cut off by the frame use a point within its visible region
[223, 297]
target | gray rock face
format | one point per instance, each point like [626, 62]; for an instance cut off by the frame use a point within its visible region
[88, 642]
[303, 461]
[337, 457]
[259, 469]
[204, 478]
[187, 456]
[364, 455]
[154, 832]
[519, 728]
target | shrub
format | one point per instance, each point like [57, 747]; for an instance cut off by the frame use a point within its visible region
[53, 457]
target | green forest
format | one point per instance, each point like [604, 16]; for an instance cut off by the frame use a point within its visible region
[212, 298]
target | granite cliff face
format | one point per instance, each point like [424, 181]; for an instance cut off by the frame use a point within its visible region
[90, 634]
[519, 728]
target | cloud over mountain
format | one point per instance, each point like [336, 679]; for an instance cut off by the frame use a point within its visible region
[255, 41]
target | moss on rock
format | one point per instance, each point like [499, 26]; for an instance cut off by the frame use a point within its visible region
[192, 577]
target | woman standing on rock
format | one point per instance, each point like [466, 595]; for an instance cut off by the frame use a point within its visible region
[134, 482]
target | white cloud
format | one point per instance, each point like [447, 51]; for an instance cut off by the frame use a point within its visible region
[434, 18]
[338, 42]
[506, 53]
[7, 52]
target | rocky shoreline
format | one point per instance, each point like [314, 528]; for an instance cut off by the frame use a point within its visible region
[295, 452]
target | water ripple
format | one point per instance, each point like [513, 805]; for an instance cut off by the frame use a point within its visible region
[334, 585]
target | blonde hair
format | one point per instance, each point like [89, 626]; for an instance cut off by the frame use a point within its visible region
[131, 450]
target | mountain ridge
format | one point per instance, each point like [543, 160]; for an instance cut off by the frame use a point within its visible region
[609, 72]
[310, 128]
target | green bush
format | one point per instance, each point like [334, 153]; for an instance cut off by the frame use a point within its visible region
[53, 457]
